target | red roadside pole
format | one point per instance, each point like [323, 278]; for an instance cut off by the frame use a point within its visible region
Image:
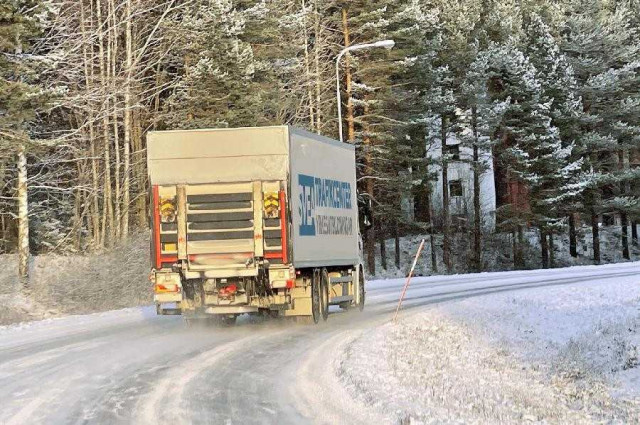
[406, 284]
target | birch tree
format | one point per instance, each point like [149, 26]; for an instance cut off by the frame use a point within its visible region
[20, 99]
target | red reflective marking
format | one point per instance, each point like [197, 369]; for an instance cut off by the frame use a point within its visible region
[156, 226]
[283, 226]
[160, 288]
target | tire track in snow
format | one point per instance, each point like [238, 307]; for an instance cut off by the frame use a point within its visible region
[166, 402]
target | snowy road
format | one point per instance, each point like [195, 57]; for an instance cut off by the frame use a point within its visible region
[130, 366]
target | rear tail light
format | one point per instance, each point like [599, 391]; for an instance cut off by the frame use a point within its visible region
[167, 208]
[228, 290]
[162, 288]
[290, 283]
[271, 205]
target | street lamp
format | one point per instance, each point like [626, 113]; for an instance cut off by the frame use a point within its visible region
[387, 44]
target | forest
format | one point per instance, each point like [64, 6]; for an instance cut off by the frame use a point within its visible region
[549, 88]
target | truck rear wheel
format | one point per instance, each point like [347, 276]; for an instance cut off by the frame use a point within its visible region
[228, 320]
[324, 294]
[315, 296]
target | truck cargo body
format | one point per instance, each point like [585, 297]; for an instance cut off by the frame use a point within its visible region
[253, 220]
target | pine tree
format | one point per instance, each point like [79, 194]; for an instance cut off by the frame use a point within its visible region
[601, 44]
[559, 86]
[527, 144]
[381, 107]
[215, 68]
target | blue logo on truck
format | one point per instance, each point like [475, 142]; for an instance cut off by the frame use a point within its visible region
[316, 192]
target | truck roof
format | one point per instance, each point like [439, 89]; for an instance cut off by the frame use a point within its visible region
[223, 154]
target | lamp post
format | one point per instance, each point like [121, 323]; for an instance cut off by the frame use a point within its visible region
[387, 44]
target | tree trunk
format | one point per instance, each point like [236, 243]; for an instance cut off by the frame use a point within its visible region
[518, 241]
[23, 216]
[552, 251]
[127, 126]
[88, 72]
[3, 233]
[446, 243]
[370, 237]
[432, 242]
[117, 194]
[623, 159]
[95, 207]
[625, 236]
[383, 246]
[634, 233]
[573, 242]
[113, 43]
[545, 249]
[139, 166]
[521, 262]
[78, 213]
[595, 231]
[318, 33]
[369, 188]
[514, 248]
[396, 237]
[477, 224]
[107, 205]
[370, 249]
[347, 67]
[434, 258]
[307, 67]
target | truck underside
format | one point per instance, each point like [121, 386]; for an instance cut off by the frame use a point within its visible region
[224, 249]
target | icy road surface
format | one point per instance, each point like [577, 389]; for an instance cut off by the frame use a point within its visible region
[130, 366]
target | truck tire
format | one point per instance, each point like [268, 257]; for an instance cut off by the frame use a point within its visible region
[324, 294]
[315, 296]
[361, 290]
[228, 320]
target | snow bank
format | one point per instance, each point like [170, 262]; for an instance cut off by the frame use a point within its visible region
[589, 331]
[75, 284]
[558, 354]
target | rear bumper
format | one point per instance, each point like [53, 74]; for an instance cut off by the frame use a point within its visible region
[168, 309]
[167, 298]
[231, 309]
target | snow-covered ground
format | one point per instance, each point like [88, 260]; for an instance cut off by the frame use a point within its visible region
[553, 354]
[541, 346]
[76, 283]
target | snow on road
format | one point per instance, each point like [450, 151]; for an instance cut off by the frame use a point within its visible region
[552, 346]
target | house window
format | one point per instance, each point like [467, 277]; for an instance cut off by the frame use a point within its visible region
[455, 188]
[452, 151]
[608, 220]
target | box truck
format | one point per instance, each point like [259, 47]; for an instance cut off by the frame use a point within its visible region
[253, 220]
